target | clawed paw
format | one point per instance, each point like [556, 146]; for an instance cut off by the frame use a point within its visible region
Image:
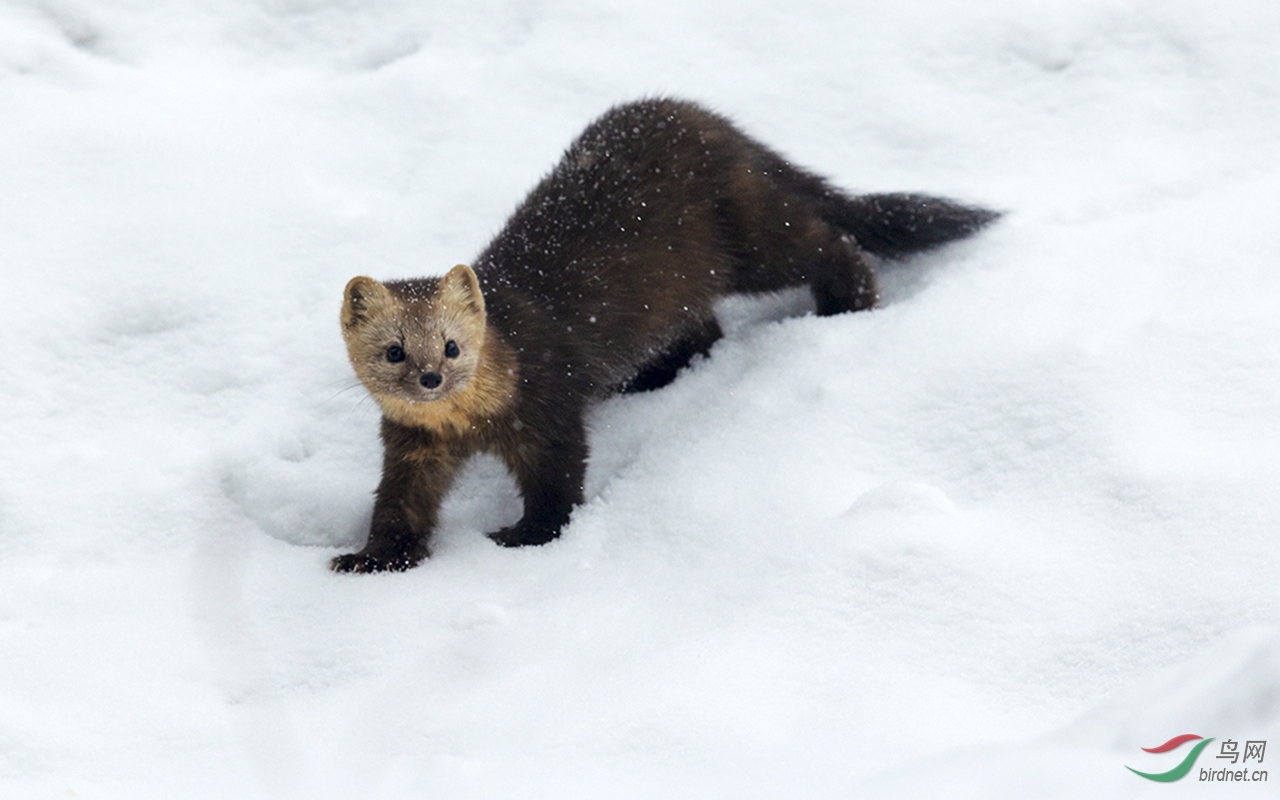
[521, 535]
[360, 562]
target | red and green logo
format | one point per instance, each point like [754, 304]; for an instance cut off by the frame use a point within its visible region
[1180, 771]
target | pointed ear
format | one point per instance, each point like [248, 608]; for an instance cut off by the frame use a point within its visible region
[459, 287]
[362, 298]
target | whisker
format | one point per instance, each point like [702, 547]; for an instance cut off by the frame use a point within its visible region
[344, 390]
[360, 405]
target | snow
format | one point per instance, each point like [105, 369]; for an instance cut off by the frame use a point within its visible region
[989, 540]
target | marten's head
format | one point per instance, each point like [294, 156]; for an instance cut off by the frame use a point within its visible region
[414, 342]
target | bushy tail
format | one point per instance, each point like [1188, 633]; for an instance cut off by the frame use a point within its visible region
[893, 225]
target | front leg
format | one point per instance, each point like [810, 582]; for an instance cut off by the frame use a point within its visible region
[416, 473]
[663, 369]
[549, 472]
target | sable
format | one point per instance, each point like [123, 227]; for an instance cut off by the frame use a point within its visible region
[602, 281]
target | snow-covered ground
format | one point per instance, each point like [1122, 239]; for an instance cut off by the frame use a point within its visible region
[989, 540]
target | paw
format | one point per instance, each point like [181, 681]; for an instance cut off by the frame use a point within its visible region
[519, 535]
[363, 562]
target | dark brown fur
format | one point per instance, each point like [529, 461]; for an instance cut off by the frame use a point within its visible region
[603, 280]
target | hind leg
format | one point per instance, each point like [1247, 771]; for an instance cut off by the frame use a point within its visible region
[843, 279]
[781, 240]
[663, 369]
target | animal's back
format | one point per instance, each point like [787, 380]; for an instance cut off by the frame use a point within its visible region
[619, 247]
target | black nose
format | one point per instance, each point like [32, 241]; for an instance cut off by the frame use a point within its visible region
[431, 379]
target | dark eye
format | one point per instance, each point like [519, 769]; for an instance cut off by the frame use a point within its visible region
[451, 349]
[395, 354]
